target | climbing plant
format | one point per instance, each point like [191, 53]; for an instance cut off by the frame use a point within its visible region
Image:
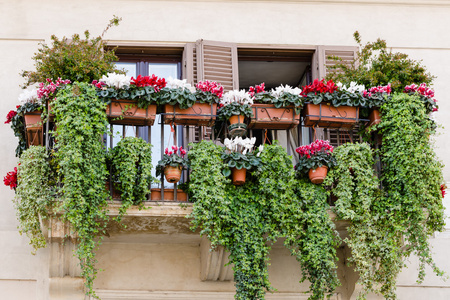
[34, 194]
[81, 120]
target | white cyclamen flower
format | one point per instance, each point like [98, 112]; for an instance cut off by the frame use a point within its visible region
[278, 91]
[353, 88]
[173, 83]
[117, 81]
[29, 96]
[235, 96]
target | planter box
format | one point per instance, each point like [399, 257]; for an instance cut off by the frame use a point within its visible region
[325, 115]
[168, 195]
[34, 128]
[374, 117]
[127, 112]
[267, 116]
[200, 114]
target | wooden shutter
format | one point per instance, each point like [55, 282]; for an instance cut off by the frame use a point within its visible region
[217, 61]
[321, 61]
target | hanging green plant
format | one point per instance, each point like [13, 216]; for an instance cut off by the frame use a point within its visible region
[81, 120]
[131, 161]
[356, 187]
[248, 219]
[34, 195]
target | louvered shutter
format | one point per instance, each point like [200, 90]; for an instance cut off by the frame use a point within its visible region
[218, 61]
[322, 62]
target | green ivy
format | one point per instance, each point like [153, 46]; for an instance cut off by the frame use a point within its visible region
[81, 120]
[131, 161]
[412, 175]
[248, 219]
[34, 195]
[358, 195]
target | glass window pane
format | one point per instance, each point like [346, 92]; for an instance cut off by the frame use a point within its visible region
[129, 67]
[164, 70]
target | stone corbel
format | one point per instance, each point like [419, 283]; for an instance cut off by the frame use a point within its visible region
[213, 263]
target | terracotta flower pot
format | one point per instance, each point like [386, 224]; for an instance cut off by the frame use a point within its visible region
[318, 175]
[325, 115]
[127, 112]
[374, 117]
[200, 114]
[267, 116]
[236, 119]
[169, 195]
[34, 128]
[238, 176]
[173, 174]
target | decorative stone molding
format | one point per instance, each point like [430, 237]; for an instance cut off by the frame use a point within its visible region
[213, 263]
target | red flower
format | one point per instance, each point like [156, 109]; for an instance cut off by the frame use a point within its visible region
[443, 187]
[10, 115]
[319, 87]
[210, 86]
[11, 179]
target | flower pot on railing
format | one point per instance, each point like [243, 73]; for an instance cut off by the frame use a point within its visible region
[238, 176]
[267, 116]
[237, 126]
[326, 115]
[200, 114]
[127, 112]
[169, 195]
[374, 117]
[317, 176]
[34, 128]
[173, 174]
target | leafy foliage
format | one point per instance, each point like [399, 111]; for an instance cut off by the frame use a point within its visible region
[358, 196]
[179, 96]
[34, 194]
[131, 161]
[76, 59]
[235, 109]
[412, 176]
[238, 160]
[145, 95]
[18, 124]
[376, 65]
[248, 219]
[81, 120]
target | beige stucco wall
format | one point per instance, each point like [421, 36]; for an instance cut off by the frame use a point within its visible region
[418, 28]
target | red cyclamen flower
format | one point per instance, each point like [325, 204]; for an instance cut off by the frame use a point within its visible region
[11, 179]
[10, 115]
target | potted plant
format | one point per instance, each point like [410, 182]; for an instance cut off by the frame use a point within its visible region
[187, 106]
[240, 156]
[425, 94]
[172, 164]
[376, 96]
[131, 101]
[277, 109]
[235, 107]
[329, 106]
[315, 159]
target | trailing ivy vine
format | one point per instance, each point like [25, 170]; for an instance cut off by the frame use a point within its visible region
[33, 194]
[81, 120]
[248, 219]
[412, 175]
[131, 161]
[358, 197]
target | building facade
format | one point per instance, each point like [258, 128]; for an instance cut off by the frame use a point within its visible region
[157, 256]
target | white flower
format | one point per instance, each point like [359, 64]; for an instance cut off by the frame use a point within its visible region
[173, 83]
[353, 88]
[117, 81]
[29, 96]
[235, 96]
[260, 149]
[280, 90]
